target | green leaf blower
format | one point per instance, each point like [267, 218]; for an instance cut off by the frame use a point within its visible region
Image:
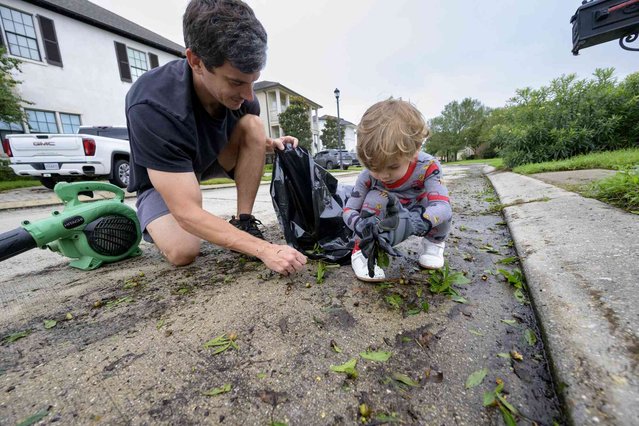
[91, 233]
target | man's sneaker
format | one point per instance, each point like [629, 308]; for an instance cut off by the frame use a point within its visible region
[247, 223]
[432, 256]
[360, 267]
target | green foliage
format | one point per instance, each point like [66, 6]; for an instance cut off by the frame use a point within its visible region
[567, 118]
[442, 281]
[10, 111]
[613, 160]
[621, 190]
[329, 134]
[296, 121]
[459, 125]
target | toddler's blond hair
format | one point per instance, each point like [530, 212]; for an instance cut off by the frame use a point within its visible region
[390, 130]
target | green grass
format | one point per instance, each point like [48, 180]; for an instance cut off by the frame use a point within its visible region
[621, 190]
[613, 160]
[497, 163]
[15, 184]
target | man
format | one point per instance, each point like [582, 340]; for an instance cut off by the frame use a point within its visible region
[197, 118]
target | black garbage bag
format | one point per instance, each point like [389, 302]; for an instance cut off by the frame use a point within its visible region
[309, 202]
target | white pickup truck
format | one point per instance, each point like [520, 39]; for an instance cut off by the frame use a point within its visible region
[95, 152]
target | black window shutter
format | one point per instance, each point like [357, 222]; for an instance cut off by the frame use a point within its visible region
[123, 62]
[50, 41]
[154, 60]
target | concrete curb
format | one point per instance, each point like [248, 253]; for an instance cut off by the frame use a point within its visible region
[581, 261]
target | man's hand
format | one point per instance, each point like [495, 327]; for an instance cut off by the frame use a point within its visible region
[281, 258]
[279, 143]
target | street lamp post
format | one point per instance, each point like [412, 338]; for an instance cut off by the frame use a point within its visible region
[339, 133]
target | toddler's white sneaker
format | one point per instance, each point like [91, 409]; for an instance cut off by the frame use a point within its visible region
[432, 256]
[360, 266]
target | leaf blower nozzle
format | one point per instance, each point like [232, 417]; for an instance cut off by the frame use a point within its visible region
[15, 242]
[91, 233]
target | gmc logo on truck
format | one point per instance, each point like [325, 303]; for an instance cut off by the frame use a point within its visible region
[48, 143]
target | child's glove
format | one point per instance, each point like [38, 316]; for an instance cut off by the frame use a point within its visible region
[391, 218]
[371, 243]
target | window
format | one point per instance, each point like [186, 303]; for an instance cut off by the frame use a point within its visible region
[20, 33]
[132, 63]
[13, 127]
[137, 62]
[41, 121]
[70, 122]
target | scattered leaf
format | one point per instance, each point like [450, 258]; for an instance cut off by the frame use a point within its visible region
[69, 316]
[489, 249]
[476, 378]
[509, 322]
[16, 336]
[218, 391]
[490, 398]
[403, 378]
[364, 410]
[385, 418]
[505, 403]
[530, 337]
[335, 347]
[516, 355]
[222, 343]
[395, 300]
[504, 355]
[459, 299]
[508, 418]
[347, 368]
[475, 332]
[31, 420]
[376, 356]
[50, 324]
[321, 270]
[160, 324]
[261, 375]
[508, 260]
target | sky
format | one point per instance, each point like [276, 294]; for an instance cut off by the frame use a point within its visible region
[425, 51]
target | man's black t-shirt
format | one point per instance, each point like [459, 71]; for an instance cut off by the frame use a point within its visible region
[169, 130]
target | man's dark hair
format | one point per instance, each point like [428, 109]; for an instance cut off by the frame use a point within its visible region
[225, 30]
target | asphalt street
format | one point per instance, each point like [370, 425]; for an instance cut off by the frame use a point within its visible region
[580, 258]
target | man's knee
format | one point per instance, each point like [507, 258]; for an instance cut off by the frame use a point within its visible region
[252, 130]
[181, 255]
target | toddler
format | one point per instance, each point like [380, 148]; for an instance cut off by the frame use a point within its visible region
[401, 180]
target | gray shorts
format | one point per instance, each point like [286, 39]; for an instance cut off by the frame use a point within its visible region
[150, 204]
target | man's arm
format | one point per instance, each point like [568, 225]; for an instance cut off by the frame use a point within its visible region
[182, 195]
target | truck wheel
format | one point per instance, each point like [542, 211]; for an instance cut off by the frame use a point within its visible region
[329, 165]
[48, 182]
[121, 170]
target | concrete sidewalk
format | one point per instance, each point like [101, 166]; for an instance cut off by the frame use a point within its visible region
[581, 261]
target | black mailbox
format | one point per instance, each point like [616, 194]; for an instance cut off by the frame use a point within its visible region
[599, 21]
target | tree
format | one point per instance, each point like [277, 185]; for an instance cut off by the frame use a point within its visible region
[458, 126]
[10, 111]
[329, 134]
[296, 122]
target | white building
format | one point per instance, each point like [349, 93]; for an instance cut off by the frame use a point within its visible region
[78, 61]
[274, 98]
[350, 132]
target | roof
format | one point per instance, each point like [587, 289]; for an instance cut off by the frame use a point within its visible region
[342, 122]
[92, 14]
[261, 86]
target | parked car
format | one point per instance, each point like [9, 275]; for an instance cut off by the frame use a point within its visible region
[93, 152]
[355, 159]
[329, 159]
